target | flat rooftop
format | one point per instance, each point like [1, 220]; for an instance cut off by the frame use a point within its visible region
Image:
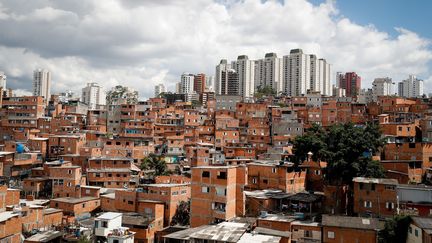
[225, 232]
[109, 216]
[257, 238]
[376, 180]
[73, 199]
[46, 236]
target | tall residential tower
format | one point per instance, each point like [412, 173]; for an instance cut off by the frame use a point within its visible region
[42, 83]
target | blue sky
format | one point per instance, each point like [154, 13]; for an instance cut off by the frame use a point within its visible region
[385, 15]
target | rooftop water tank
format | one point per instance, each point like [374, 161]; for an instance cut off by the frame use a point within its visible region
[20, 148]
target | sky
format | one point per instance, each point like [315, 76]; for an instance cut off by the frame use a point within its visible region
[142, 43]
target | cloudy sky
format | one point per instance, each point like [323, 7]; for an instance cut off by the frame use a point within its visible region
[140, 43]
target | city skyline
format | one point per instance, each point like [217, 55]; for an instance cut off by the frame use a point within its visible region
[144, 55]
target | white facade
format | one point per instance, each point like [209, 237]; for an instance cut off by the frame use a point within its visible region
[297, 73]
[210, 84]
[2, 80]
[383, 87]
[106, 223]
[245, 69]
[187, 83]
[324, 77]
[159, 88]
[93, 95]
[269, 72]
[223, 66]
[42, 83]
[320, 76]
[411, 87]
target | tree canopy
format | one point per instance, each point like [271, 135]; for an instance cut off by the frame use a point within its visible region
[264, 91]
[156, 164]
[346, 148]
[395, 229]
[182, 214]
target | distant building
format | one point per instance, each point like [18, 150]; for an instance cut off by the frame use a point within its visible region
[411, 87]
[210, 84]
[199, 83]
[269, 72]
[297, 72]
[245, 70]
[42, 83]
[350, 81]
[159, 88]
[93, 95]
[223, 66]
[187, 83]
[3, 80]
[382, 87]
[338, 92]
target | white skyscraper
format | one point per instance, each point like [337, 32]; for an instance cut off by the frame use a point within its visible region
[223, 66]
[268, 72]
[42, 83]
[245, 70]
[159, 88]
[210, 84]
[187, 83]
[411, 87]
[297, 73]
[382, 87]
[93, 95]
[324, 77]
[2, 80]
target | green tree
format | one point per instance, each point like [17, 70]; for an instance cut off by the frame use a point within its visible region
[84, 239]
[312, 141]
[182, 214]
[346, 148]
[264, 91]
[395, 229]
[155, 164]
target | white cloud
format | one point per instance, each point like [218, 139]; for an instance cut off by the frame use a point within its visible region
[141, 43]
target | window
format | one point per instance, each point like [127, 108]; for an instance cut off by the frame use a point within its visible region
[410, 230]
[390, 205]
[308, 233]
[317, 172]
[274, 170]
[330, 234]
[254, 180]
[206, 174]
[416, 232]
[175, 193]
[367, 204]
[104, 224]
[205, 189]
[130, 202]
[220, 191]
[222, 175]
[83, 205]
[390, 187]
[70, 172]
[265, 181]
